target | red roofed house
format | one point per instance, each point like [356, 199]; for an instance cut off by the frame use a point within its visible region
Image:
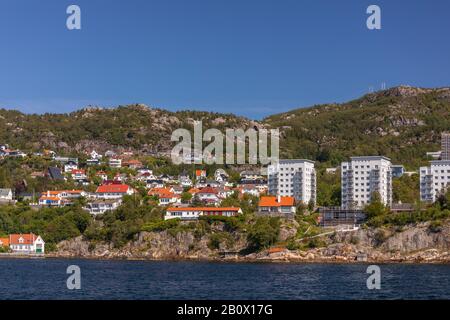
[277, 206]
[208, 195]
[26, 243]
[113, 191]
[78, 174]
[194, 213]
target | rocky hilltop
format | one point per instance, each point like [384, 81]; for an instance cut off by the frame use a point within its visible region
[414, 243]
[401, 122]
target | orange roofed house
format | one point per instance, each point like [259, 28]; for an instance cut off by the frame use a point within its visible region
[4, 242]
[26, 243]
[165, 195]
[195, 212]
[113, 191]
[277, 206]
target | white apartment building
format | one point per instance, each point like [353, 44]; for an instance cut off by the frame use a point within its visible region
[361, 177]
[445, 146]
[293, 178]
[434, 180]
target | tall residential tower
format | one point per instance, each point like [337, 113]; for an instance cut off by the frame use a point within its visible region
[294, 178]
[361, 177]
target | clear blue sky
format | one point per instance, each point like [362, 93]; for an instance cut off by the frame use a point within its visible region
[250, 57]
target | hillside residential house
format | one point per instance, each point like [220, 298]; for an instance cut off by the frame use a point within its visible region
[132, 164]
[361, 177]
[434, 180]
[188, 213]
[185, 181]
[60, 198]
[208, 195]
[26, 243]
[70, 166]
[247, 175]
[221, 176]
[165, 196]
[79, 175]
[113, 191]
[102, 175]
[293, 178]
[115, 163]
[6, 195]
[277, 206]
[248, 189]
[99, 206]
[154, 183]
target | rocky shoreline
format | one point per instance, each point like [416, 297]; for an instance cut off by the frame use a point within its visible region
[412, 244]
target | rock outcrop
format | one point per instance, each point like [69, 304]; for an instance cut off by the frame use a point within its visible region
[418, 243]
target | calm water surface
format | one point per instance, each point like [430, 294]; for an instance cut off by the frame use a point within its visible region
[46, 279]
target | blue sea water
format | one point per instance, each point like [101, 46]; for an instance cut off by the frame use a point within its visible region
[46, 279]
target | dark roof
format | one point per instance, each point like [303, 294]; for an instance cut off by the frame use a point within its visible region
[55, 173]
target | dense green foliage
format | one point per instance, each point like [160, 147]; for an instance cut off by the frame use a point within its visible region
[264, 232]
[53, 224]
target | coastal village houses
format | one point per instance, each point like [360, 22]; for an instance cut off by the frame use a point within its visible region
[193, 213]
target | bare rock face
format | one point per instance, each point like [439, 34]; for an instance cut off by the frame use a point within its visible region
[417, 243]
[150, 245]
[288, 230]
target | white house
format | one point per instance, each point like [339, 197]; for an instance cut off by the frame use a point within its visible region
[101, 206]
[70, 166]
[6, 195]
[26, 243]
[115, 163]
[113, 191]
[186, 213]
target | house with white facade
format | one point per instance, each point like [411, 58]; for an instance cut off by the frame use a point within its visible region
[6, 195]
[26, 243]
[188, 213]
[293, 178]
[434, 180]
[113, 191]
[115, 163]
[277, 206]
[361, 177]
[100, 206]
